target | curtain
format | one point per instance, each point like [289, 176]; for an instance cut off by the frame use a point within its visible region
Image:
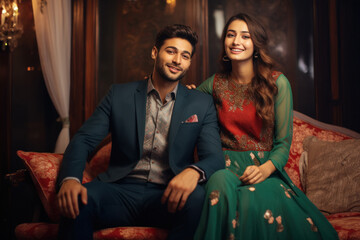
[53, 35]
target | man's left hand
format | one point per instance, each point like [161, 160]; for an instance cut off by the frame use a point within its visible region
[179, 189]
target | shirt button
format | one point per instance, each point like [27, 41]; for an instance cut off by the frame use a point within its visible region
[152, 162]
[155, 148]
[157, 131]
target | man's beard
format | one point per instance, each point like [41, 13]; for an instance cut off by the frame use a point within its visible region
[161, 70]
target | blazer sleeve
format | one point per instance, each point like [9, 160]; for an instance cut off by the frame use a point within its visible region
[92, 132]
[209, 149]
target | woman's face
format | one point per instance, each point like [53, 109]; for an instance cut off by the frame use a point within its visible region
[238, 43]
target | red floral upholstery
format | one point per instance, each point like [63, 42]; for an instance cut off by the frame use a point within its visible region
[131, 233]
[301, 130]
[35, 231]
[346, 224]
[43, 168]
[48, 231]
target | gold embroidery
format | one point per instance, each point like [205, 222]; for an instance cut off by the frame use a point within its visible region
[255, 160]
[232, 236]
[214, 197]
[279, 227]
[236, 165]
[269, 216]
[233, 223]
[227, 161]
[232, 97]
[287, 191]
[313, 227]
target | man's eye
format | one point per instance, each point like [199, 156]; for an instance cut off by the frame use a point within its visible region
[186, 57]
[170, 52]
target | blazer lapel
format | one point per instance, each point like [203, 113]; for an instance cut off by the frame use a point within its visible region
[177, 113]
[140, 107]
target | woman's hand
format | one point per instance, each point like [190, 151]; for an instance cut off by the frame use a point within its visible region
[256, 174]
[191, 86]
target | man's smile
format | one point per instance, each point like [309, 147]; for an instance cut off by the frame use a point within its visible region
[174, 69]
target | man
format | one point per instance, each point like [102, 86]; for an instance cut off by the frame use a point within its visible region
[152, 178]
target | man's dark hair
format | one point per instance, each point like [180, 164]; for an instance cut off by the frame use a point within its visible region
[177, 31]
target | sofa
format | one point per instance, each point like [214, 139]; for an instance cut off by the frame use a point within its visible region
[311, 140]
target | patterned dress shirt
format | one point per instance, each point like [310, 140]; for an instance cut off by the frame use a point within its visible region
[154, 163]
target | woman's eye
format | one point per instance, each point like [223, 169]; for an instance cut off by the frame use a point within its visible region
[230, 35]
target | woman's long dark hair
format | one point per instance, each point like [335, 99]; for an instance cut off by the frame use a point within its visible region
[263, 86]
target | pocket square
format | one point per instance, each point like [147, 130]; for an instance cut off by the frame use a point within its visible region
[192, 119]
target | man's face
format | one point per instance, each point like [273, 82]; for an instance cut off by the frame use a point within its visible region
[173, 59]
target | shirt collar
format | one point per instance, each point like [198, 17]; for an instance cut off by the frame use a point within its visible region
[150, 88]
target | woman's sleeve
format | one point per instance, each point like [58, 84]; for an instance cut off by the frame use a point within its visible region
[207, 85]
[283, 123]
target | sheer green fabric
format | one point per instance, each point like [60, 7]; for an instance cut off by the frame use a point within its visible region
[283, 123]
[207, 85]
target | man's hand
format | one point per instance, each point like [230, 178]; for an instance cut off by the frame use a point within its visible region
[179, 189]
[254, 174]
[68, 198]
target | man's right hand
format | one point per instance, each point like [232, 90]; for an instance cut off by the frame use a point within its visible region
[68, 198]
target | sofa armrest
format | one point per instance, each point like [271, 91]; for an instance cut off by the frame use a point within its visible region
[17, 177]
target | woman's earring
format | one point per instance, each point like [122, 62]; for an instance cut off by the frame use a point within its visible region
[225, 58]
[256, 55]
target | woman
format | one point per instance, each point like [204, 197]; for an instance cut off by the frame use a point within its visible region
[253, 198]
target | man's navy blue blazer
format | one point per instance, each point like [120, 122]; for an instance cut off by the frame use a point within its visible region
[122, 113]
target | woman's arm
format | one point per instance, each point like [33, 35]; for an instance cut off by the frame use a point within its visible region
[282, 136]
[283, 123]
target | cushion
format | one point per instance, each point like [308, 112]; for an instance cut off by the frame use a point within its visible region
[302, 129]
[44, 168]
[332, 176]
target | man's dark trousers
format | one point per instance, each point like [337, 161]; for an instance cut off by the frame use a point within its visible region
[132, 202]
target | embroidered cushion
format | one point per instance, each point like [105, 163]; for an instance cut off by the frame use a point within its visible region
[332, 176]
[44, 168]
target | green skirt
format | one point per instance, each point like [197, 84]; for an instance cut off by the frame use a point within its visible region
[272, 209]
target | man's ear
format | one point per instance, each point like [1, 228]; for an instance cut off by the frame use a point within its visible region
[154, 53]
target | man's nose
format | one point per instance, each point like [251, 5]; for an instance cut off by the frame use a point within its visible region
[177, 58]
